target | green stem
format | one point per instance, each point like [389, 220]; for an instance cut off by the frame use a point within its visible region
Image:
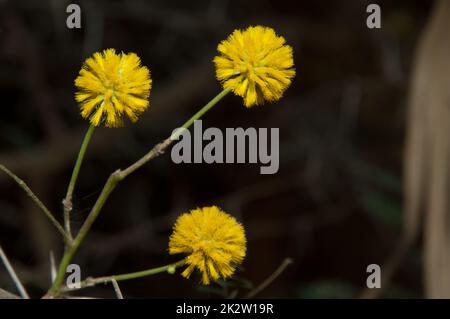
[38, 202]
[71, 249]
[89, 282]
[161, 147]
[149, 272]
[200, 113]
[67, 202]
[109, 186]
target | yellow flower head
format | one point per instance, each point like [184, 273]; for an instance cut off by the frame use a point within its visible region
[214, 241]
[255, 64]
[112, 85]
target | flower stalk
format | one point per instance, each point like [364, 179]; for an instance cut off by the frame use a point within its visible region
[90, 282]
[200, 113]
[67, 202]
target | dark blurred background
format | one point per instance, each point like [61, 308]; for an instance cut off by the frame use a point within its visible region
[334, 207]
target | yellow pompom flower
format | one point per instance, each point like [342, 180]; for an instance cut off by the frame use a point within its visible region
[113, 85]
[255, 64]
[213, 240]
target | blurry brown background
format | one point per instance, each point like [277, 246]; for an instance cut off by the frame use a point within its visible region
[335, 205]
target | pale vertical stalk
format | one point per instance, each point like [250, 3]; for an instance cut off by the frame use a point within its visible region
[117, 289]
[13, 274]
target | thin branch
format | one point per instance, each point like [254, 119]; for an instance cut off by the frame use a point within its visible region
[38, 202]
[91, 282]
[270, 279]
[117, 289]
[13, 275]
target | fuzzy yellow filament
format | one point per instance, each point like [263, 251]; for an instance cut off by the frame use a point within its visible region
[113, 85]
[255, 64]
[214, 242]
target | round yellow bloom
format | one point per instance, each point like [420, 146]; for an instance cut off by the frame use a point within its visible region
[113, 85]
[214, 241]
[255, 64]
